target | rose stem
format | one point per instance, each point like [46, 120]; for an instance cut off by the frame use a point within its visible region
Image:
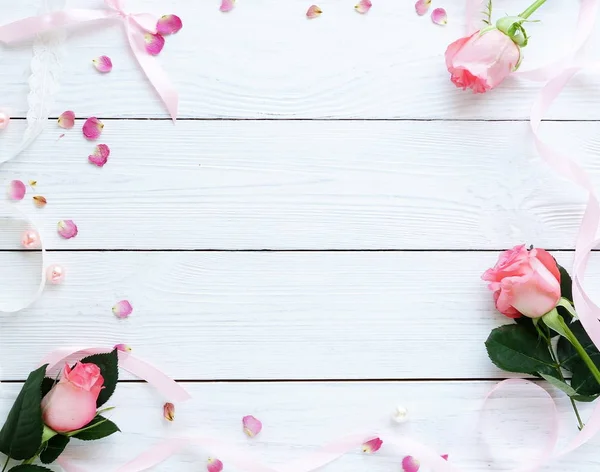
[532, 8]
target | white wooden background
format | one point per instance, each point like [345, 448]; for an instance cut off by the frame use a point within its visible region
[305, 244]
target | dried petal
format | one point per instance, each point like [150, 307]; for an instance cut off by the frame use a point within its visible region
[227, 5]
[100, 155]
[39, 201]
[103, 64]
[214, 465]
[122, 309]
[444, 456]
[169, 411]
[67, 119]
[410, 464]
[123, 347]
[439, 16]
[313, 12]
[154, 43]
[168, 24]
[252, 426]
[363, 6]
[32, 183]
[67, 229]
[16, 190]
[400, 415]
[372, 446]
[422, 6]
[92, 128]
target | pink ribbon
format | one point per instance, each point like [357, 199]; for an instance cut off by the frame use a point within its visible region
[136, 26]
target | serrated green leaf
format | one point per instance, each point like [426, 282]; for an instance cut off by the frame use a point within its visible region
[56, 445]
[98, 428]
[109, 366]
[583, 381]
[21, 435]
[566, 388]
[515, 348]
[30, 468]
[567, 355]
[47, 385]
[566, 283]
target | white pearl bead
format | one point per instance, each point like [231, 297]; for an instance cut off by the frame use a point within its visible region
[30, 239]
[55, 274]
[400, 415]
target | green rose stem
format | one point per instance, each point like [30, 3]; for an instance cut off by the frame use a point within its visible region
[532, 8]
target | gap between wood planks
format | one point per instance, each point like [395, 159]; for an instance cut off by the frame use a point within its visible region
[387, 380]
[279, 250]
[466, 120]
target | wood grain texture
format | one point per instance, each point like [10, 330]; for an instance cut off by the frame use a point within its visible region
[265, 59]
[298, 417]
[341, 315]
[306, 185]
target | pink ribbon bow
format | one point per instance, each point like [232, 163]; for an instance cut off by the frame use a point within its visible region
[136, 26]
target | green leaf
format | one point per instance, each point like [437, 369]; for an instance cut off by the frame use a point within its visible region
[583, 381]
[56, 445]
[98, 428]
[566, 388]
[30, 468]
[109, 366]
[514, 348]
[21, 435]
[567, 355]
[47, 385]
[566, 284]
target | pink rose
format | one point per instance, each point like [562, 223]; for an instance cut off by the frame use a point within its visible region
[482, 61]
[71, 404]
[524, 282]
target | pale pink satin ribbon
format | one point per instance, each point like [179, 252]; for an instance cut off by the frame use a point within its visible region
[136, 25]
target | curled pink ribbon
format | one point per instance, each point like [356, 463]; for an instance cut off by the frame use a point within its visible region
[136, 26]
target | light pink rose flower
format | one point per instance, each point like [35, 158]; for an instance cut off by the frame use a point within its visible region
[482, 61]
[524, 282]
[71, 404]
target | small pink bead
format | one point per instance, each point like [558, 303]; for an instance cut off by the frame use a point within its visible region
[55, 274]
[4, 120]
[30, 239]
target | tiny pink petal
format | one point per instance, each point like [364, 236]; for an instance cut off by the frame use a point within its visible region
[214, 465]
[92, 128]
[16, 190]
[168, 24]
[422, 6]
[103, 64]
[227, 5]
[444, 456]
[67, 119]
[169, 411]
[100, 155]
[67, 229]
[4, 118]
[123, 348]
[363, 6]
[439, 16]
[372, 446]
[252, 426]
[313, 12]
[410, 464]
[122, 309]
[154, 43]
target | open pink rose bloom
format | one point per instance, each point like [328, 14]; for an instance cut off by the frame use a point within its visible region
[482, 61]
[71, 404]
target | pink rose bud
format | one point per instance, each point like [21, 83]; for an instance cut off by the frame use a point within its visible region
[524, 282]
[71, 404]
[482, 61]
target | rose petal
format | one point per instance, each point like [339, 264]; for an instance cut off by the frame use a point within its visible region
[313, 12]
[32, 183]
[410, 464]
[92, 128]
[400, 415]
[67, 119]
[39, 201]
[169, 411]
[439, 16]
[103, 64]
[214, 465]
[123, 347]
[252, 426]
[422, 6]
[444, 456]
[154, 43]
[363, 6]
[100, 155]
[168, 24]
[67, 229]
[372, 446]
[16, 190]
[122, 309]
[227, 5]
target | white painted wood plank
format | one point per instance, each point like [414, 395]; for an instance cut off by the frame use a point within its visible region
[306, 185]
[328, 315]
[298, 417]
[265, 59]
